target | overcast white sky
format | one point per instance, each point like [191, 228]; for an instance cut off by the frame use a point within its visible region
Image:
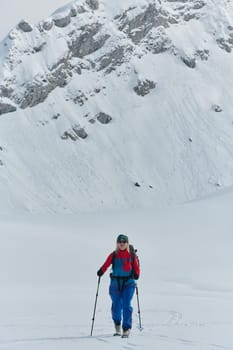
[12, 11]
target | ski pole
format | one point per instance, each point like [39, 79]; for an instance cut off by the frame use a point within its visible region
[139, 311]
[93, 318]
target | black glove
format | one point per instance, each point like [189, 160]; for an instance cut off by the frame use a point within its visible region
[100, 272]
[135, 276]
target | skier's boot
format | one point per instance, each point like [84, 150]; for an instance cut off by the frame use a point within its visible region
[117, 330]
[125, 333]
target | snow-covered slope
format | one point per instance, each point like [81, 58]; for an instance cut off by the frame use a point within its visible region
[13, 10]
[102, 95]
[48, 278]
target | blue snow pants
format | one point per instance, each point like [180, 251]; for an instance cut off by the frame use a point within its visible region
[121, 302]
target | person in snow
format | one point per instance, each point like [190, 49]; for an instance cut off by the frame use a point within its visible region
[125, 270]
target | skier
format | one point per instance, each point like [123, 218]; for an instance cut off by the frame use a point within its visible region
[125, 270]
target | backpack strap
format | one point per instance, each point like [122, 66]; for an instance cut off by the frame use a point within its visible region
[113, 259]
[132, 255]
[132, 262]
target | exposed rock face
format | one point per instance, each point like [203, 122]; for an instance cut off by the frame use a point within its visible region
[182, 1]
[189, 61]
[138, 27]
[217, 108]
[93, 4]
[25, 26]
[114, 58]
[104, 118]
[144, 87]
[34, 93]
[225, 44]
[80, 132]
[80, 9]
[157, 41]
[75, 133]
[188, 16]
[202, 54]
[37, 91]
[199, 4]
[187, 10]
[79, 98]
[6, 108]
[87, 42]
[92, 42]
[73, 11]
[6, 91]
[47, 24]
[56, 116]
[173, 19]
[62, 21]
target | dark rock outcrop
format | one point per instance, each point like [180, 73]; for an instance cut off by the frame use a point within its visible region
[202, 54]
[140, 25]
[25, 26]
[199, 5]
[93, 4]
[87, 42]
[6, 108]
[189, 15]
[144, 87]
[103, 118]
[114, 58]
[6, 91]
[37, 91]
[56, 116]
[73, 11]
[157, 41]
[217, 108]
[80, 98]
[80, 132]
[62, 21]
[224, 44]
[75, 133]
[47, 24]
[189, 61]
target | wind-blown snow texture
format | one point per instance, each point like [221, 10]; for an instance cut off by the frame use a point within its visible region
[105, 94]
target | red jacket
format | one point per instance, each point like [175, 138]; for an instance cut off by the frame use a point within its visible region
[124, 263]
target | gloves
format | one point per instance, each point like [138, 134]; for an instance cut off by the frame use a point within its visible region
[136, 276]
[100, 273]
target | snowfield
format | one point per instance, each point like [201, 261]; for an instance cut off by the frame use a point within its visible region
[117, 118]
[48, 278]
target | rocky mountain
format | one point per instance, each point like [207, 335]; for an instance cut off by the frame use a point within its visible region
[111, 105]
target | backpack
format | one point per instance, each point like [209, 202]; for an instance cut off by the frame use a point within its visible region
[133, 254]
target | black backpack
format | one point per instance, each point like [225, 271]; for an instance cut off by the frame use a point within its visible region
[133, 253]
